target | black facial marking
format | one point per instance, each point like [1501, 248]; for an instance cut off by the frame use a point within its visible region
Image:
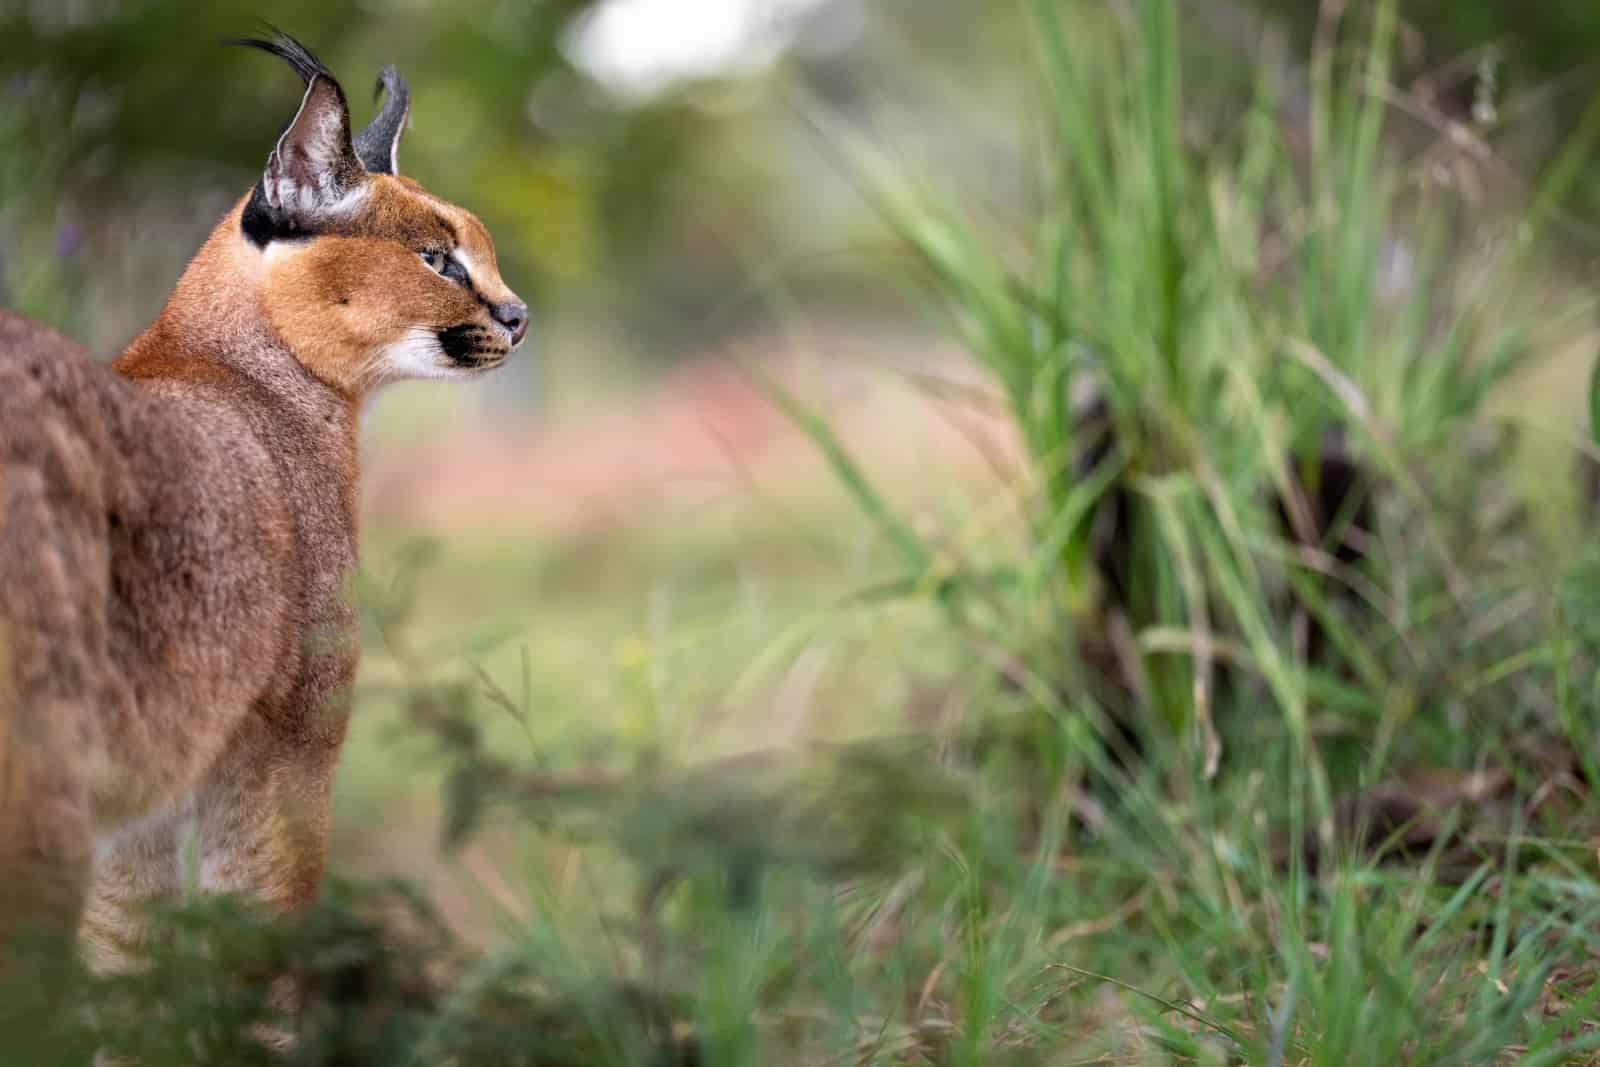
[262, 223]
[469, 344]
[460, 276]
[454, 271]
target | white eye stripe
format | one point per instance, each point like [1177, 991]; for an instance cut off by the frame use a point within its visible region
[465, 260]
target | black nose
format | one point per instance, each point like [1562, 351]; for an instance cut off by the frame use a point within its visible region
[513, 317]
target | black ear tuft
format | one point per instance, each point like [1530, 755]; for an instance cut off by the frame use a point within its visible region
[379, 144]
[291, 51]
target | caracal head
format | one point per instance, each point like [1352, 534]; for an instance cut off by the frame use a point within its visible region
[366, 276]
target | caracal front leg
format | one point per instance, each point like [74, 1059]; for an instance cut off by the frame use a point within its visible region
[264, 816]
[132, 870]
[257, 826]
[263, 821]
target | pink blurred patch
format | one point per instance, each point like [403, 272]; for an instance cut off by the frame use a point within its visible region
[704, 432]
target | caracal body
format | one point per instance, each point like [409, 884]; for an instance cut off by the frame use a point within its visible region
[178, 531]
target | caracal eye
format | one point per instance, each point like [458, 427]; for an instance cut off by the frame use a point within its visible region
[436, 261]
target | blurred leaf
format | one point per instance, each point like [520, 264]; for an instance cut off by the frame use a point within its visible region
[488, 636]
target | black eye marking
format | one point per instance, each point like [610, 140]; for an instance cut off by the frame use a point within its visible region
[445, 264]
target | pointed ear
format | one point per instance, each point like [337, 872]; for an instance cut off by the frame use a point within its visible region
[378, 146]
[313, 169]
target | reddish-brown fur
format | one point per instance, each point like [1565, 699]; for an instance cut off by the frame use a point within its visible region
[177, 533]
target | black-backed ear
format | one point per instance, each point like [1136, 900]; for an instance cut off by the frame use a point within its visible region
[313, 169]
[378, 146]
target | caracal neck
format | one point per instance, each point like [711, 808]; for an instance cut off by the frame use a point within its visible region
[215, 326]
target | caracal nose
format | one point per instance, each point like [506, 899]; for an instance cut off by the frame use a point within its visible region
[514, 317]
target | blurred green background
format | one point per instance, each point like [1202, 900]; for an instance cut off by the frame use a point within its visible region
[981, 375]
[638, 162]
[643, 165]
[621, 514]
[632, 159]
[658, 190]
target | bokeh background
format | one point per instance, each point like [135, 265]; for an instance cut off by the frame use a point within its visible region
[640, 539]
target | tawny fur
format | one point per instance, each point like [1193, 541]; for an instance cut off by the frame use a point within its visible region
[177, 535]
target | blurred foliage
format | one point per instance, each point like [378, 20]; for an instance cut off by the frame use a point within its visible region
[648, 212]
[28, 184]
[1538, 42]
[645, 213]
[122, 97]
[1522, 73]
[1190, 340]
[374, 975]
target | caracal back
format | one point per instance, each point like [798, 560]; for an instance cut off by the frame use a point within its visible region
[55, 666]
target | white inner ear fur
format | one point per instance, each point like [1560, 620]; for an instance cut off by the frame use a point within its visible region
[324, 146]
[274, 184]
[394, 143]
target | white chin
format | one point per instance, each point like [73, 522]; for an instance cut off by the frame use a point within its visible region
[417, 355]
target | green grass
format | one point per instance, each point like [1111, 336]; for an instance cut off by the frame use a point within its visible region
[1255, 783]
